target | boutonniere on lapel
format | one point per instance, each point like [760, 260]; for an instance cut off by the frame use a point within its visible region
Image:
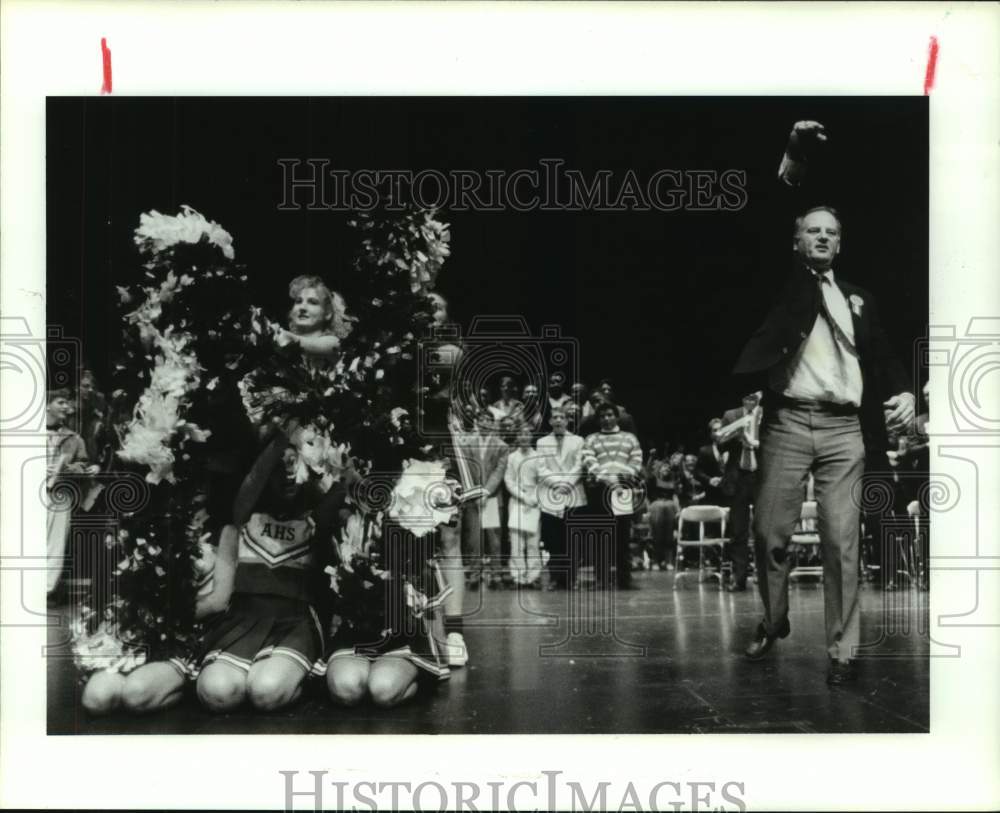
[856, 304]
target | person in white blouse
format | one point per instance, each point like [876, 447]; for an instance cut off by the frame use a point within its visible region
[561, 475]
[521, 479]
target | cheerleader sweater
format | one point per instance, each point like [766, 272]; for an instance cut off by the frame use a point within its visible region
[614, 452]
[276, 557]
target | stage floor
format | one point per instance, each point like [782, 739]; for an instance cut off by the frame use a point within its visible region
[663, 661]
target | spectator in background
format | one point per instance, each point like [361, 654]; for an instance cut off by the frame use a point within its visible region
[606, 388]
[507, 406]
[901, 462]
[572, 413]
[484, 398]
[91, 422]
[560, 472]
[676, 461]
[917, 452]
[612, 458]
[903, 469]
[645, 472]
[905, 478]
[490, 452]
[661, 490]
[532, 408]
[67, 457]
[521, 478]
[689, 490]
[881, 473]
[558, 397]
[506, 429]
[579, 393]
[918, 446]
[711, 465]
[658, 456]
[740, 481]
[593, 424]
[917, 461]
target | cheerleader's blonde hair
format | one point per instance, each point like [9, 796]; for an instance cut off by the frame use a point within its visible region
[337, 321]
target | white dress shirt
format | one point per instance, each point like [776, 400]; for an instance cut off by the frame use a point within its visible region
[823, 370]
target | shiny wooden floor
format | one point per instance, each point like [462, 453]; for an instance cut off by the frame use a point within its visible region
[655, 660]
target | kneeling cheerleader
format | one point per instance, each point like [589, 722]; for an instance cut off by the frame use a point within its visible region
[387, 633]
[270, 639]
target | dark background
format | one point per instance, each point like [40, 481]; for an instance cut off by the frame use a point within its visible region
[659, 302]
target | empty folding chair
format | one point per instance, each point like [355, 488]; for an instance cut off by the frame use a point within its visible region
[701, 515]
[804, 544]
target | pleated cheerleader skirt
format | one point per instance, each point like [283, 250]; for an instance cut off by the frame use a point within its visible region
[256, 627]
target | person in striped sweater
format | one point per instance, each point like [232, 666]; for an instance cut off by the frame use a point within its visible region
[612, 460]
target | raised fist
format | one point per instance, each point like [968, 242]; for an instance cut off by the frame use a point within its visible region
[803, 139]
[802, 144]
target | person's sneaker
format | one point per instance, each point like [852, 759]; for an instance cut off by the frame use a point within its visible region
[455, 653]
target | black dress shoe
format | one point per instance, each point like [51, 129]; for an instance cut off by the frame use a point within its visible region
[841, 672]
[736, 587]
[762, 642]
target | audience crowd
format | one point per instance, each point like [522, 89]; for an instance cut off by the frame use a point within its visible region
[572, 455]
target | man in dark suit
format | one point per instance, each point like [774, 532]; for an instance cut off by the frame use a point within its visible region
[710, 467]
[739, 483]
[828, 373]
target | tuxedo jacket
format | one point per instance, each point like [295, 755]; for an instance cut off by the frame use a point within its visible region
[788, 325]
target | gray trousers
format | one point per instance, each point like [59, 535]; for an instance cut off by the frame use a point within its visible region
[795, 441]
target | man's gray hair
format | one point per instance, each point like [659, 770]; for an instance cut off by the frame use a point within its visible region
[807, 212]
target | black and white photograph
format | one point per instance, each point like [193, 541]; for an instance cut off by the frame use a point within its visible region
[511, 415]
[498, 406]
